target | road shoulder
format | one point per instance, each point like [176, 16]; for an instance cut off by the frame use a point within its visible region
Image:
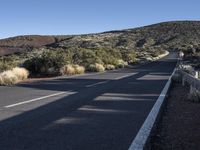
[178, 129]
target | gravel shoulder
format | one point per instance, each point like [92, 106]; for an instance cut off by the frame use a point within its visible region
[179, 127]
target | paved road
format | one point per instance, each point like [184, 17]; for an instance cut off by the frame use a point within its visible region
[90, 112]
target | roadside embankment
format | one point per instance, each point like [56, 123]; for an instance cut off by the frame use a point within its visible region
[178, 129]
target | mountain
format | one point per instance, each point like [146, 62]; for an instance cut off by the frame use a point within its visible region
[167, 35]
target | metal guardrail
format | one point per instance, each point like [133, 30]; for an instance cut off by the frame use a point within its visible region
[193, 81]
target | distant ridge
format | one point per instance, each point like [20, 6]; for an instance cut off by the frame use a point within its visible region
[168, 35]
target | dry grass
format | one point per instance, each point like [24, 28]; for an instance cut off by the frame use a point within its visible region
[21, 73]
[110, 67]
[96, 67]
[72, 70]
[121, 63]
[13, 76]
[79, 69]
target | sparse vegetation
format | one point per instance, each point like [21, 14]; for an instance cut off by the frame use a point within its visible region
[96, 67]
[72, 69]
[47, 63]
[13, 76]
[110, 67]
[121, 63]
[46, 55]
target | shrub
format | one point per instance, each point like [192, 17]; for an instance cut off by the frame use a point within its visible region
[110, 67]
[121, 63]
[79, 69]
[129, 56]
[21, 73]
[96, 67]
[72, 69]
[67, 70]
[108, 55]
[7, 64]
[84, 57]
[8, 78]
[13, 76]
[41, 63]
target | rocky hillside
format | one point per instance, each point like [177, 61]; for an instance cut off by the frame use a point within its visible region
[113, 49]
[21, 43]
[168, 35]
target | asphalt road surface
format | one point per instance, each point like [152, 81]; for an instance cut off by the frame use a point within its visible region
[101, 111]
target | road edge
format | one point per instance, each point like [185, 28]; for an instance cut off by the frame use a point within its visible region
[143, 134]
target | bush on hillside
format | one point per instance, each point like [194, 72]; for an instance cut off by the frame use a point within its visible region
[108, 55]
[44, 63]
[6, 63]
[129, 56]
[84, 57]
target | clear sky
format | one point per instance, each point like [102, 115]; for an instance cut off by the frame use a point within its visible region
[53, 17]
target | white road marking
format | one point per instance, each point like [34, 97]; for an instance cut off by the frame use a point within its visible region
[80, 75]
[91, 85]
[125, 76]
[144, 132]
[33, 100]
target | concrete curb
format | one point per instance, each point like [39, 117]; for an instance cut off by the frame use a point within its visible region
[144, 132]
[161, 56]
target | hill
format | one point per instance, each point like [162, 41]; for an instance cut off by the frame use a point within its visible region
[41, 53]
[167, 35]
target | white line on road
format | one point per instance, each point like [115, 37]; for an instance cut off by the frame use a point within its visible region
[33, 100]
[125, 76]
[91, 85]
[144, 132]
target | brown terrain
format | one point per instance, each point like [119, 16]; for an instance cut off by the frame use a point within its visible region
[21, 43]
[168, 36]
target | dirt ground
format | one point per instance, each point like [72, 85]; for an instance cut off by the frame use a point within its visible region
[179, 128]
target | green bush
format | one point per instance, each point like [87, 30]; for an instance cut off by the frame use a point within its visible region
[129, 56]
[6, 63]
[108, 55]
[85, 57]
[41, 64]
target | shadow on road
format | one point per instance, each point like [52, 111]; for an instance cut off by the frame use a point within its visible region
[105, 116]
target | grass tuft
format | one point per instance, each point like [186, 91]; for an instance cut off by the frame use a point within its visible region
[96, 67]
[72, 70]
[79, 69]
[13, 76]
[110, 67]
[121, 63]
[21, 73]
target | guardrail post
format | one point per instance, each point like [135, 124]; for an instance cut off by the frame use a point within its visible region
[196, 74]
[192, 89]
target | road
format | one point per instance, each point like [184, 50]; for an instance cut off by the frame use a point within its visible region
[102, 111]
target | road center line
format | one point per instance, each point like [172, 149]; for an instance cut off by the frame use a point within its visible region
[91, 85]
[33, 100]
[128, 75]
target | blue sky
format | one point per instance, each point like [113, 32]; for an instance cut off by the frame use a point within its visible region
[53, 17]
